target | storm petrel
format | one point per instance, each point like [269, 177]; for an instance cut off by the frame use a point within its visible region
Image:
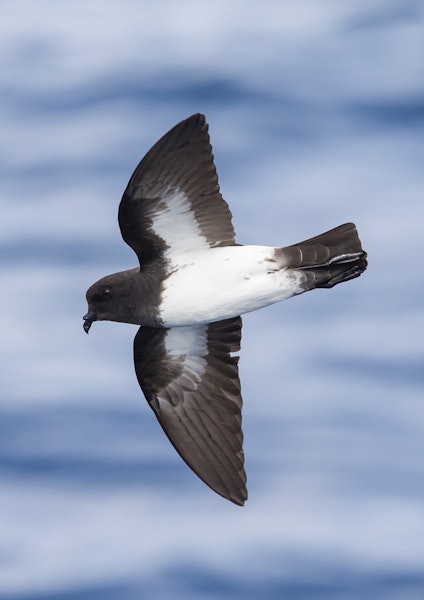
[191, 286]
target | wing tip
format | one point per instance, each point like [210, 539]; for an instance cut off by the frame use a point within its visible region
[235, 492]
[239, 501]
[200, 117]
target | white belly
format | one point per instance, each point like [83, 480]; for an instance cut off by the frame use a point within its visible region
[224, 282]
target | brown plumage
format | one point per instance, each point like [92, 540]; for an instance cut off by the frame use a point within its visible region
[192, 283]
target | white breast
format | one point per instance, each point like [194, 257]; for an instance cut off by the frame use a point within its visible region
[224, 282]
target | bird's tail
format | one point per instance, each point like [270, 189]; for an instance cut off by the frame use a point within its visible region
[327, 259]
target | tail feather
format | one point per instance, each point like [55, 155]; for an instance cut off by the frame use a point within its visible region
[327, 259]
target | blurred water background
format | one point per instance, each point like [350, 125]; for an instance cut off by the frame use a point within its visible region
[316, 113]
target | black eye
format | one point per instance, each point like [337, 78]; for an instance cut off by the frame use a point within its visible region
[99, 295]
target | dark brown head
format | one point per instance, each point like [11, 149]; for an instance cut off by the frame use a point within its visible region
[111, 299]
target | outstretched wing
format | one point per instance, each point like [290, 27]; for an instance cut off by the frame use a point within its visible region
[172, 204]
[191, 382]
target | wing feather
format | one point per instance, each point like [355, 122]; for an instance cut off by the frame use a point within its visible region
[172, 202]
[190, 379]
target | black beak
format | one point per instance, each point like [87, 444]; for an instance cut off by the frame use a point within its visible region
[89, 318]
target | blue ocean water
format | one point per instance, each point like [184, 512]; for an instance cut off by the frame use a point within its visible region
[316, 118]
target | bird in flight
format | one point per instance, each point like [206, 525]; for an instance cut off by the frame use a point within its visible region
[187, 294]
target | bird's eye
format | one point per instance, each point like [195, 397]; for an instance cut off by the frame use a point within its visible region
[106, 292]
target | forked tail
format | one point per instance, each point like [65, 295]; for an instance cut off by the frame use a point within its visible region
[327, 259]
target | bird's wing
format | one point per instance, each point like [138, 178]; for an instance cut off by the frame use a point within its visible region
[172, 204]
[190, 379]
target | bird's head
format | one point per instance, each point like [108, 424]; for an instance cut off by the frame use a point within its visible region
[108, 300]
